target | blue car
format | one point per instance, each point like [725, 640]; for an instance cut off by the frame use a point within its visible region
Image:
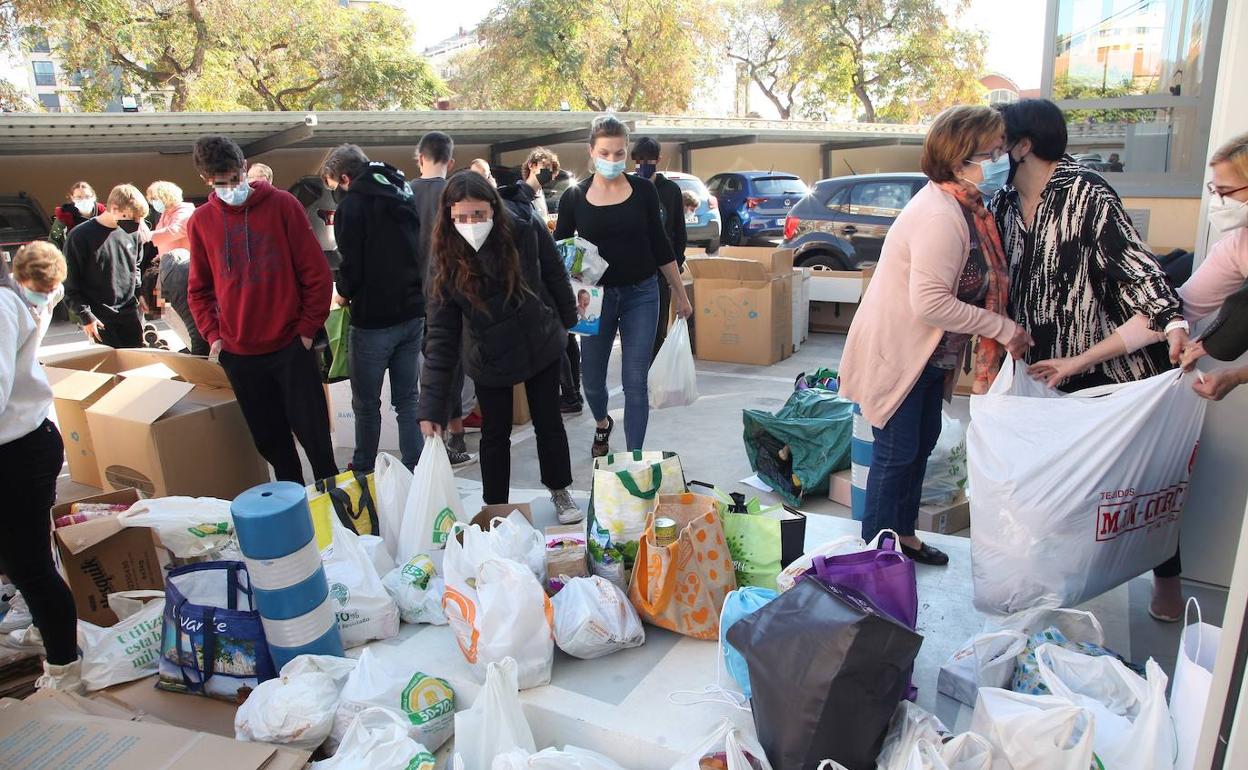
[702, 227]
[754, 204]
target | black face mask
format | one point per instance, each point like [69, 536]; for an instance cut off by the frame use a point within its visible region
[544, 176]
[128, 225]
[646, 169]
[1014, 164]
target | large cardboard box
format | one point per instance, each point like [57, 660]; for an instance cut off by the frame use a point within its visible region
[72, 392]
[832, 317]
[100, 557]
[744, 309]
[841, 488]
[801, 306]
[835, 296]
[172, 423]
[61, 730]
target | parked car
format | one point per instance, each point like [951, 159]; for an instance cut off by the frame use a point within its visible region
[21, 221]
[320, 203]
[703, 226]
[753, 204]
[841, 224]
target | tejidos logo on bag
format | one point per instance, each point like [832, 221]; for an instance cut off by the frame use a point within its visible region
[442, 524]
[425, 699]
[1125, 511]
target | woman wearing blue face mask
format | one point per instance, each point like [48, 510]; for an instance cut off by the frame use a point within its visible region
[619, 213]
[940, 280]
[39, 274]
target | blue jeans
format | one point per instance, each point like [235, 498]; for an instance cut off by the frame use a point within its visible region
[633, 311]
[373, 352]
[899, 458]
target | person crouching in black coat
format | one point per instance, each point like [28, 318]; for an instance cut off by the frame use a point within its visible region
[498, 292]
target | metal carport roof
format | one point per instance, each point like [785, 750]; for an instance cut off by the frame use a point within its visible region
[259, 132]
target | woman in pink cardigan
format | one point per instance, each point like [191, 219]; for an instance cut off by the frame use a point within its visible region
[173, 260]
[170, 232]
[941, 279]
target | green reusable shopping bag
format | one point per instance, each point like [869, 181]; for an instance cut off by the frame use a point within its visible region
[338, 327]
[762, 540]
[799, 447]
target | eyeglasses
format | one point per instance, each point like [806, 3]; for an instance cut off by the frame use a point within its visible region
[992, 155]
[1223, 194]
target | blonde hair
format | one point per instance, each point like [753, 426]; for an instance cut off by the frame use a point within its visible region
[41, 264]
[955, 136]
[259, 171]
[167, 193]
[128, 198]
[1234, 152]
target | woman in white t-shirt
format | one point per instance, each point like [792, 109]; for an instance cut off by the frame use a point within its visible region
[31, 456]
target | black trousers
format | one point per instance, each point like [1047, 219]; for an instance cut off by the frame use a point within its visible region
[665, 306]
[28, 470]
[542, 390]
[121, 330]
[570, 372]
[280, 393]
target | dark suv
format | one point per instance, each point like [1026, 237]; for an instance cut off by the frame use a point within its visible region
[21, 221]
[841, 224]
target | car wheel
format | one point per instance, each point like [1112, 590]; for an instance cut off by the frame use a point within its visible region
[733, 231]
[824, 260]
[712, 246]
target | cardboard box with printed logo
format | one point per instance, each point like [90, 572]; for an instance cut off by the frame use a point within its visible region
[744, 307]
[945, 519]
[166, 424]
[100, 557]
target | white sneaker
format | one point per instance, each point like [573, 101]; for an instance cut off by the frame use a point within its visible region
[565, 507]
[17, 617]
[66, 678]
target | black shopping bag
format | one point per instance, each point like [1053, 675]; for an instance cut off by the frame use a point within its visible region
[827, 670]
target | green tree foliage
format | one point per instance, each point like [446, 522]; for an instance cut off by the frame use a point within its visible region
[14, 99]
[625, 55]
[1085, 88]
[900, 60]
[237, 54]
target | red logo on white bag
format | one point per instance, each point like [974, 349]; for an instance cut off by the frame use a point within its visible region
[1139, 511]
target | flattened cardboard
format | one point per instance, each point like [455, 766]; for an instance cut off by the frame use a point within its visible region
[744, 313]
[100, 556]
[141, 697]
[68, 731]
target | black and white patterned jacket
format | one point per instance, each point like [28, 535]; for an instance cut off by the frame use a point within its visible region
[1081, 271]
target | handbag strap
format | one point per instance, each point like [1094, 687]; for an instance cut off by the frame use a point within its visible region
[343, 508]
[367, 504]
[630, 484]
[641, 576]
[208, 632]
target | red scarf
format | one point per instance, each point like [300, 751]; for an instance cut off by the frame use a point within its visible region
[988, 353]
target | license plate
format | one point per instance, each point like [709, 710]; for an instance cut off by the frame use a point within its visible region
[691, 219]
[780, 222]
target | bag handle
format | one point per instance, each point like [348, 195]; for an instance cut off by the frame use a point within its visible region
[630, 485]
[367, 504]
[641, 575]
[1200, 638]
[344, 509]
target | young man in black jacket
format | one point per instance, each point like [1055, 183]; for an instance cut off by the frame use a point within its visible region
[378, 229]
[647, 153]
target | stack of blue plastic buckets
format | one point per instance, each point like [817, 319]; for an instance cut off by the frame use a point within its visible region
[275, 534]
[860, 448]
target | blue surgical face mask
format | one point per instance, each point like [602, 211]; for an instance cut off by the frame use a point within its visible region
[35, 298]
[233, 195]
[157, 206]
[996, 172]
[609, 169]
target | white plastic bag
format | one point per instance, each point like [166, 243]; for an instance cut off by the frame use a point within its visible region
[433, 504]
[1033, 732]
[495, 723]
[945, 477]
[593, 617]
[673, 376]
[1075, 625]
[417, 590]
[912, 734]
[497, 609]
[375, 549]
[378, 739]
[297, 708]
[967, 751]
[1132, 720]
[427, 703]
[740, 749]
[365, 610]
[513, 537]
[986, 660]
[841, 545]
[1193, 676]
[127, 650]
[1076, 494]
[187, 526]
[567, 758]
[393, 482]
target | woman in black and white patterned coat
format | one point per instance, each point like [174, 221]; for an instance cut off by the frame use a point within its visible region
[1078, 271]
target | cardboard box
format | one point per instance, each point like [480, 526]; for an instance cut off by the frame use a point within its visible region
[966, 371]
[744, 309]
[840, 488]
[801, 306]
[832, 317]
[173, 424]
[141, 697]
[503, 510]
[835, 296]
[60, 730]
[945, 519]
[100, 557]
[72, 393]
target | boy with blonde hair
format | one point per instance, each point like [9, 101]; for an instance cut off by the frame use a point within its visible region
[102, 255]
[39, 272]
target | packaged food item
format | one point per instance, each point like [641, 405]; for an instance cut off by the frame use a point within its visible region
[565, 555]
[665, 531]
[80, 512]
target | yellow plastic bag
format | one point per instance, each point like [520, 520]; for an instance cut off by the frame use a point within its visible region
[351, 498]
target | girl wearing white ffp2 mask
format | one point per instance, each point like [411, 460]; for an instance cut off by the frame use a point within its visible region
[501, 303]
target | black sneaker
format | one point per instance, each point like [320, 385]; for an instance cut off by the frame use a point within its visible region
[457, 451]
[570, 407]
[602, 438]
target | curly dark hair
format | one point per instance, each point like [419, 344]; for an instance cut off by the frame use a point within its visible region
[215, 154]
[455, 265]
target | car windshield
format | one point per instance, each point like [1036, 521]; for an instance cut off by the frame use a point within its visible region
[692, 185]
[779, 185]
[17, 220]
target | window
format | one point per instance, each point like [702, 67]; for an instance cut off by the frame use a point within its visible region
[879, 199]
[694, 186]
[732, 184]
[839, 202]
[50, 102]
[45, 73]
[779, 185]
[1149, 141]
[1002, 96]
[714, 184]
[38, 42]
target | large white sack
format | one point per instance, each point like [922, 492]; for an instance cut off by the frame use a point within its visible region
[1033, 732]
[1076, 494]
[495, 724]
[297, 707]
[378, 739]
[593, 617]
[427, 703]
[127, 650]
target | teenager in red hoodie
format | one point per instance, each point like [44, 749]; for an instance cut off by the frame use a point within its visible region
[260, 289]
